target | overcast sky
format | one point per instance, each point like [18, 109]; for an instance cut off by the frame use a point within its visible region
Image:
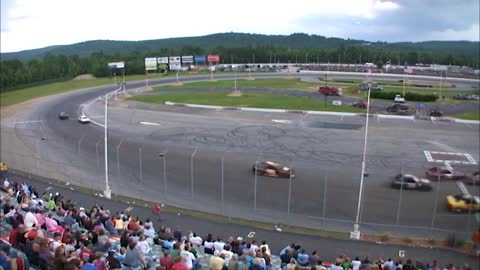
[31, 24]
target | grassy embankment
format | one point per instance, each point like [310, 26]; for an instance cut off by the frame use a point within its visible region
[469, 116]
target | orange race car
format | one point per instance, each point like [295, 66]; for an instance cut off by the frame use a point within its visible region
[273, 169]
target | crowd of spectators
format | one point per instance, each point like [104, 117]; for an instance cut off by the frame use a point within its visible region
[49, 231]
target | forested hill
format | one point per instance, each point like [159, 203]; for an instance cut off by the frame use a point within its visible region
[216, 43]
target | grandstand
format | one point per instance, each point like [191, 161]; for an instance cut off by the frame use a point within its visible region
[48, 231]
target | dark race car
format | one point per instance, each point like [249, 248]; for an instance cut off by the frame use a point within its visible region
[408, 181]
[398, 108]
[63, 116]
[473, 179]
[443, 173]
[273, 169]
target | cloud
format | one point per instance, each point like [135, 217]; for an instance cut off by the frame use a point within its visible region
[30, 24]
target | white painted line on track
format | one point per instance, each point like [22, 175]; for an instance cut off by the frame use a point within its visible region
[428, 156]
[31, 121]
[149, 124]
[281, 121]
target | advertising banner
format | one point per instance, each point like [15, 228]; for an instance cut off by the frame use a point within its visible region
[175, 66]
[187, 59]
[213, 58]
[113, 65]
[174, 59]
[162, 60]
[151, 63]
[200, 59]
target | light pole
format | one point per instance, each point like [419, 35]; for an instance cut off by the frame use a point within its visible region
[355, 234]
[108, 191]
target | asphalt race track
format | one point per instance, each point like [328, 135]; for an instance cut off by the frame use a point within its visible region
[325, 151]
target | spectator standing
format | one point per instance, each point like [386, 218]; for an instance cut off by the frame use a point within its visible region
[356, 263]
[157, 210]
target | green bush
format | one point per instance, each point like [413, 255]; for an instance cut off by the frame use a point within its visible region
[384, 237]
[431, 241]
[420, 97]
[408, 96]
[407, 240]
[383, 95]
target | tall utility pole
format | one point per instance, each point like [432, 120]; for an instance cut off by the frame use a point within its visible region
[355, 234]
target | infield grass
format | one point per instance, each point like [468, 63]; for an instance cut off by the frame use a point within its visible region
[23, 94]
[250, 100]
[290, 84]
[469, 116]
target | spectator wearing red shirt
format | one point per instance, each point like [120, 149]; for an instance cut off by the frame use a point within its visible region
[166, 261]
[132, 225]
[179, 264]
[13, 233]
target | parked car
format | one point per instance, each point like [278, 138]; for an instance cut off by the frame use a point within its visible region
[463, 202]
[473, 179]
[443, 173]
[466, 97]
[63, 116]
[436, 113]
[273, 169]
[399, 99]
[398, 108]
[360, 104]
[372, 86]
[330, 91]
[408, 181]
[83, 119]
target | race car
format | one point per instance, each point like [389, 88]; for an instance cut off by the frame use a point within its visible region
[473, 179]
[398, 108]
[408, 181]
[83, 119]
[63, 116]
[273, 169]
[362, 104]
[443, 173]
[463, 202]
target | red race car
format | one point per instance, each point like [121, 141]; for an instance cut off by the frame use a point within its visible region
[443, 173]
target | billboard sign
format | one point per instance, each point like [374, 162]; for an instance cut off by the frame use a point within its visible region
[151, 63]
[115, 65]
[175, 66]
[174, 59]
[187, 59]
[200, 59]
[213, 58]
[162, 60]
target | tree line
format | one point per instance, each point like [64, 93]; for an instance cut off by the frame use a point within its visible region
[15, 73]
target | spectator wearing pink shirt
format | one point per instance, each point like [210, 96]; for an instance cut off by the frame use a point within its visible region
[40, 218]
[52, 225]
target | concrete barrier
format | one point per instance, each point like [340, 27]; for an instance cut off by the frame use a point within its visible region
[466, 121]
[262, 110]
[406, 117]
[331, 113]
